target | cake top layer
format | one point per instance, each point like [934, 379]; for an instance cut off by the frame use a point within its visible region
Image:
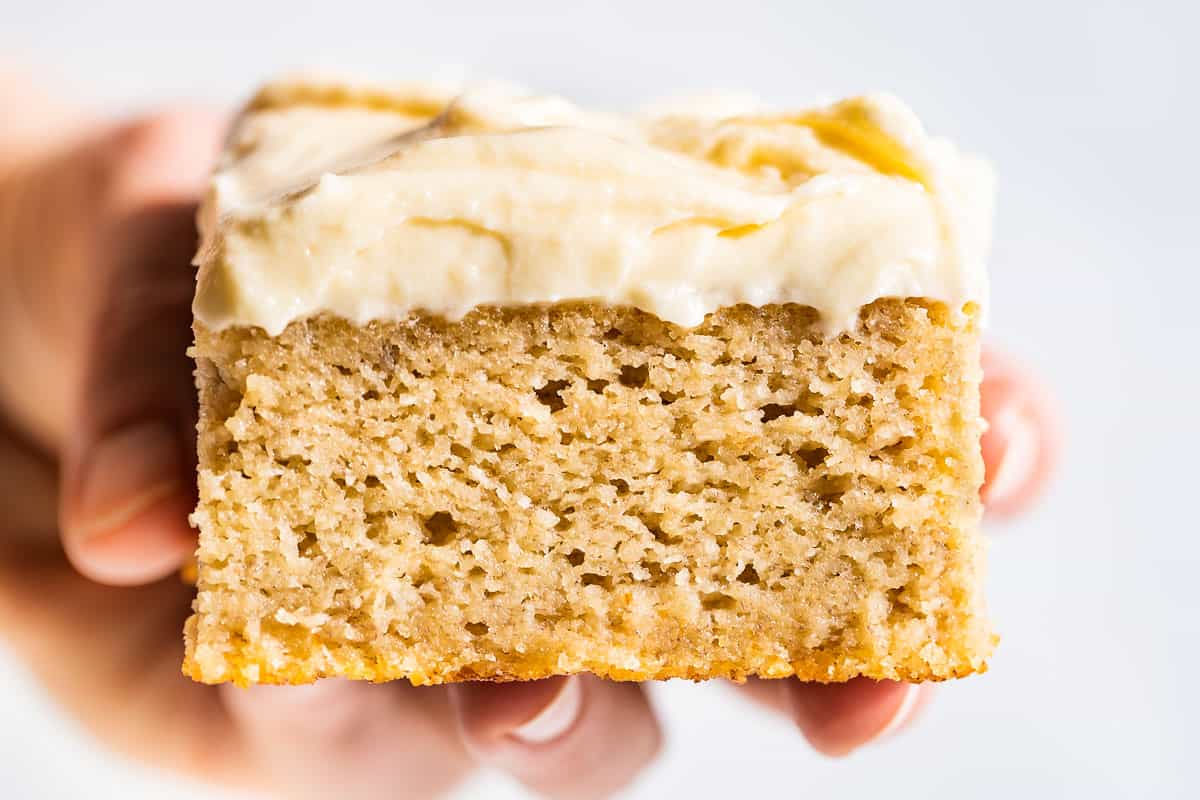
[369, 202]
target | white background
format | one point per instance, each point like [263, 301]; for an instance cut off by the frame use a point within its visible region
[1089, 111]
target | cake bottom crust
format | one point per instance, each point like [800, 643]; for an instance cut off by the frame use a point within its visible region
[254, 669]
[548, 490]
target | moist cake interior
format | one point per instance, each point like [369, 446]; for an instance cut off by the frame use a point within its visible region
[550, 489]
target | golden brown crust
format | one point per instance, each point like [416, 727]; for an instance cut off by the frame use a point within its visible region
[579, 488]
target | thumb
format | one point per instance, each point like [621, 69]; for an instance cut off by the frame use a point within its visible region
[128, 477]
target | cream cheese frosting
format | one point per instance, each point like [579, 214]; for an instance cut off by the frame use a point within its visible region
[373, 202]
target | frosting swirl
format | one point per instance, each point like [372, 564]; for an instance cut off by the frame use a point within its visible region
[371, 202]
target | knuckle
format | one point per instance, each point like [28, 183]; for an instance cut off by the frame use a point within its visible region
[149, 137]
[163, 155]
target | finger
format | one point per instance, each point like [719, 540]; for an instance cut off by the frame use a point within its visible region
[576, 737]
[813, 705]
[1021, 444]
[30, 512]
[128, 464]
[350, 740]
[838, 718]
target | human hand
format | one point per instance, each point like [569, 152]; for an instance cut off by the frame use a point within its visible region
[98, 467]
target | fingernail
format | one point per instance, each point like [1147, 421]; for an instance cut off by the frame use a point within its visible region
[1018, 458]
[555, 719]
[125, 473]
[903, 713]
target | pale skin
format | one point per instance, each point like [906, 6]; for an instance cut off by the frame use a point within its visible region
[97, 478]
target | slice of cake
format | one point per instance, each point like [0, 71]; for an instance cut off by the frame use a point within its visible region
[494, 388]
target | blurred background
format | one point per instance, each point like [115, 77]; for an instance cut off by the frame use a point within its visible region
[1089, 111]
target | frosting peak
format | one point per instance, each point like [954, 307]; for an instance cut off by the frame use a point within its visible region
[370, 203]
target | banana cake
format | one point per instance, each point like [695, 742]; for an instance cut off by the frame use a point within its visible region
[492, 387]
